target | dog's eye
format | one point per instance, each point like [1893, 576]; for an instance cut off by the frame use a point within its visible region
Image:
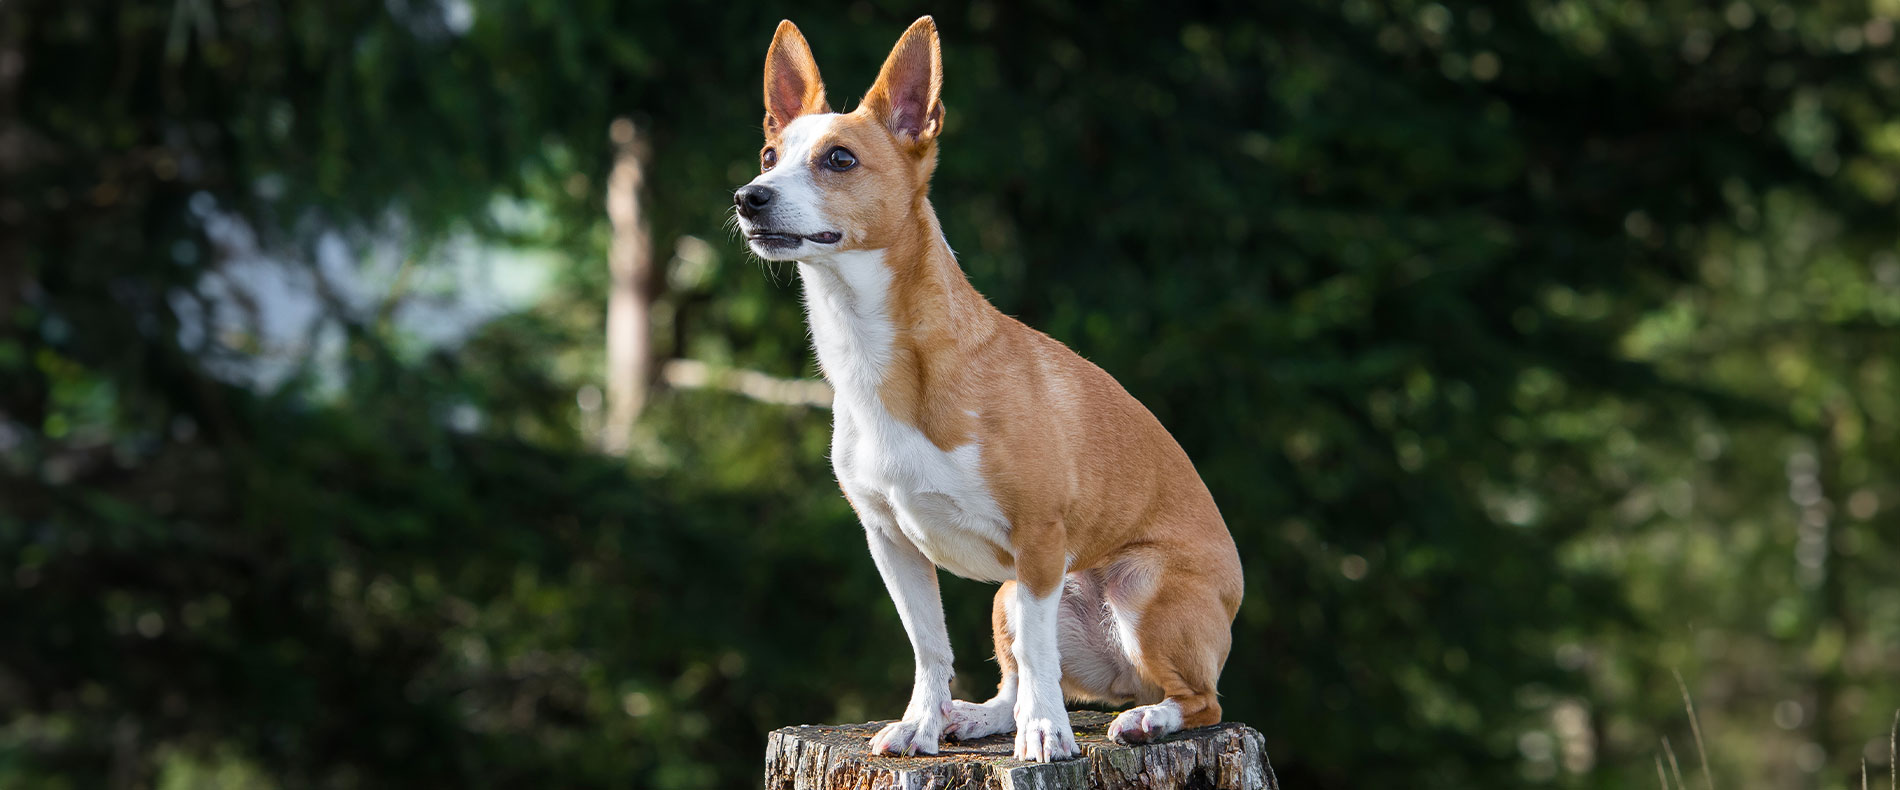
[840, 160]
[768, 160]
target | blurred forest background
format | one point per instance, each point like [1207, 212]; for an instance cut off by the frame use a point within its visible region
[1534, 352]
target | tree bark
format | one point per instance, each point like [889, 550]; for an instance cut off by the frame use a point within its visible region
[1222, 757]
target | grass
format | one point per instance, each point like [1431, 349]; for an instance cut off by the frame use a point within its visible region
[1702, 752]
[1673, 767]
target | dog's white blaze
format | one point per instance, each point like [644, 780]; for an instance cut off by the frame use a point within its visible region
[939, 500]
[799, 206]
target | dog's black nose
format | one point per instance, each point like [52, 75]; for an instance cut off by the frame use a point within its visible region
[751, 198]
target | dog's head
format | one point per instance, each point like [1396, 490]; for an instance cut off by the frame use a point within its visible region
[833, 182]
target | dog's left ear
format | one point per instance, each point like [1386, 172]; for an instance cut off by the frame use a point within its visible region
[906, 96]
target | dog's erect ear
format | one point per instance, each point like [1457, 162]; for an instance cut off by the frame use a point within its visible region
[906, 96]
[792, 85]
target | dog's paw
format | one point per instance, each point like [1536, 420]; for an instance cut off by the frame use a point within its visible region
[1146, 723]
[1045, 739]
[908, 737]
[970, 720]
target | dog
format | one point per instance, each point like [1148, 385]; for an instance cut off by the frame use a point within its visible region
[966, 440]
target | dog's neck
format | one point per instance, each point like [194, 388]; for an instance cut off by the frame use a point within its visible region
[905, 312]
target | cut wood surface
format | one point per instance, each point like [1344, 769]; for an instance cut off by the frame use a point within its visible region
[1222, 757]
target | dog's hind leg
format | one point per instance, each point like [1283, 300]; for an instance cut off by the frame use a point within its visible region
[1096, 665]
[1182, 636]
[972, 720]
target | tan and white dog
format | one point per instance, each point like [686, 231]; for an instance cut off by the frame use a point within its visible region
[968, 441]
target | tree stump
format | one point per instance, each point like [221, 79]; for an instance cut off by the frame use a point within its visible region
[1222, 757]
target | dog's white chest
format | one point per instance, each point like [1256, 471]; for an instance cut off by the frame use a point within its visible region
[900, 481]
[939, 500]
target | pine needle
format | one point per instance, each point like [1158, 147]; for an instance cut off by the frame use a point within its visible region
[1673, 767]
[1695, 727]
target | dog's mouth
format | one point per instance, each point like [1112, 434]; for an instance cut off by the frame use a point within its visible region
[775, 240]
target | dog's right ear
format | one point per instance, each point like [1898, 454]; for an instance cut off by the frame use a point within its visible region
[792, 85]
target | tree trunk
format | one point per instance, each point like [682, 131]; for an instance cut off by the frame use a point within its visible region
[1222, 757]
[630, 300]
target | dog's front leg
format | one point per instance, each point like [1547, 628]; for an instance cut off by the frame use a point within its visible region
[1042, 723]
[912, 581]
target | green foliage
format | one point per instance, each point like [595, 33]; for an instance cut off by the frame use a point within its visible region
[1531, 352]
